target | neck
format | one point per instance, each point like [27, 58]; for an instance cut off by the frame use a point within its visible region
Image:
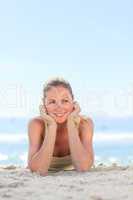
[61, 126]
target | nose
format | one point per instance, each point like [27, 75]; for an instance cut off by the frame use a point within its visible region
[59, 104]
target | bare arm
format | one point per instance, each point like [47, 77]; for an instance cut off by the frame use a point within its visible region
[81, 147]
[40, 152]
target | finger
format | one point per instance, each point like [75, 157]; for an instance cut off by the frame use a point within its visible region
[45, 116]
[52, 115]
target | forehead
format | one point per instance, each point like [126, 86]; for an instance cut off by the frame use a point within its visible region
[58, 91]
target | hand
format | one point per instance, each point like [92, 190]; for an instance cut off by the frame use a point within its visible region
[74, 116]
[47, 118]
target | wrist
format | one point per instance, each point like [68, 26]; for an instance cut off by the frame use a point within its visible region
[52, 126]
[70, 122]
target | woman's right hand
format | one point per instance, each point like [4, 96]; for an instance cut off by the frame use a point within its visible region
[49, 121]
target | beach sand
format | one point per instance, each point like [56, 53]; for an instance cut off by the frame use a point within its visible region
[100, 183]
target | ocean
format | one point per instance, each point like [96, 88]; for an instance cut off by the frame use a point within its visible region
[112, 144]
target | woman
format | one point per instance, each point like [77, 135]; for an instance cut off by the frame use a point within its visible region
[60, 137]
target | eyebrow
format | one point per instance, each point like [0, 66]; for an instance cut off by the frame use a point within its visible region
[55, 98]
[51, 99]
[65, 97]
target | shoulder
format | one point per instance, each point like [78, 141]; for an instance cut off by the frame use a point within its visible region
[85, 120]
[36, 126]
[38, 121]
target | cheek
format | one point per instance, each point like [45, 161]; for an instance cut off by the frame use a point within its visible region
[70, 108]
[49, 109]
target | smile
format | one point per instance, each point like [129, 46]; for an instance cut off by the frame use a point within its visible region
[60, 114]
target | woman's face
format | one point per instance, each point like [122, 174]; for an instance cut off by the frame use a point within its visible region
[59, 103]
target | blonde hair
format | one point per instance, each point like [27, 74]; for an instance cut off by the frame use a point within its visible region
[54, 82]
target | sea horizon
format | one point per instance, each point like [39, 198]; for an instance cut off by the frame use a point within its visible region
[112, 144]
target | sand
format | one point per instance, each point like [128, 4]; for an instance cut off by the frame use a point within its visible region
[100, 183]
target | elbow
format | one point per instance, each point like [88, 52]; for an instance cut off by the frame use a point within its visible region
[82, 169]
[32, 167]
[36, 169]
[85, 167]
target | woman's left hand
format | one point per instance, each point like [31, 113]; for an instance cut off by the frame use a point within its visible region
[74, 115]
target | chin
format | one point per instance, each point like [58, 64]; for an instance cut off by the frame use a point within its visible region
[61, 121]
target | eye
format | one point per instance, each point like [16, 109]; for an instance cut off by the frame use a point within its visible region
[65, 100]
[52, 102]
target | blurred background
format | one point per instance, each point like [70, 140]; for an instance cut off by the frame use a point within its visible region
[90, 44]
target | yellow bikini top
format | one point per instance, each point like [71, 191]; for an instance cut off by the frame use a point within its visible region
[64, 163]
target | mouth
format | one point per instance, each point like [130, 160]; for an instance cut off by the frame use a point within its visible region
[59, 114]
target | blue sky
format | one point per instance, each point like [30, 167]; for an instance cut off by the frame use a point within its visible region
[89, 43]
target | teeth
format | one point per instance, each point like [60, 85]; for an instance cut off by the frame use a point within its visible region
[59, 115]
